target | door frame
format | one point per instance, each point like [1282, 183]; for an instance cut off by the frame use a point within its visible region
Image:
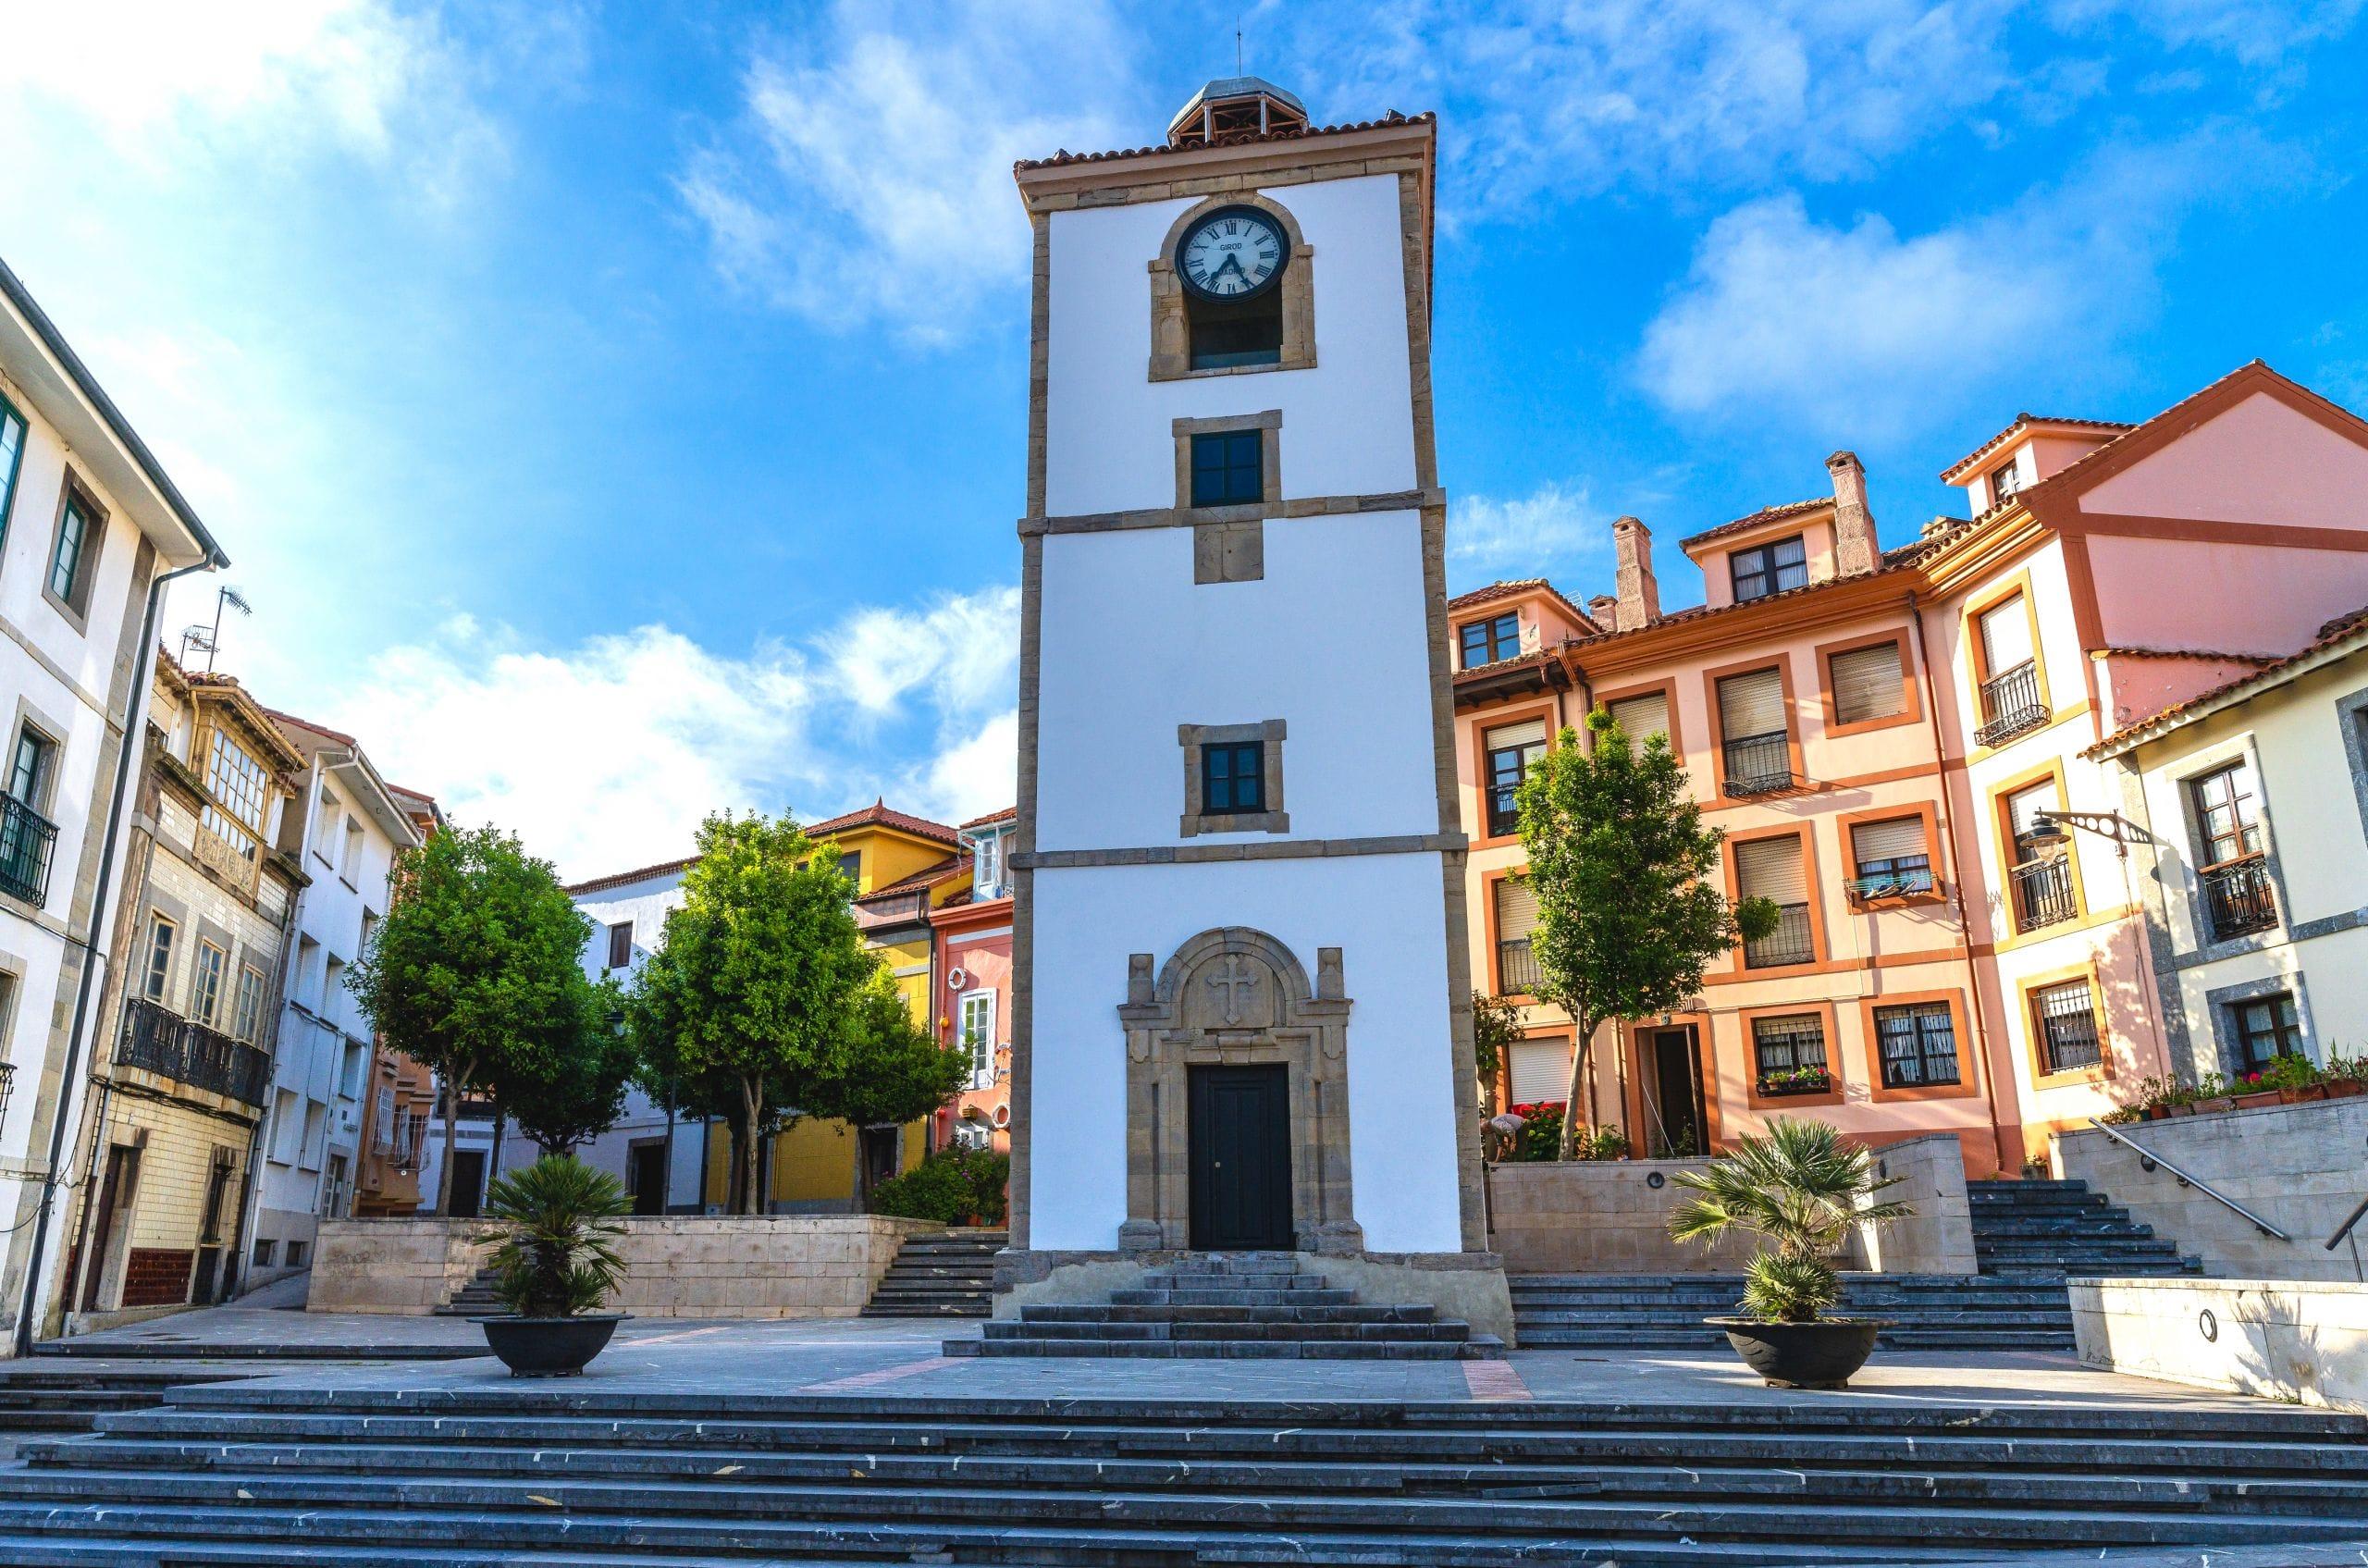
[1637, 1052]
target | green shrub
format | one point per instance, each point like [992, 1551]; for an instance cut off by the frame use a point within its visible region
[952, 1186]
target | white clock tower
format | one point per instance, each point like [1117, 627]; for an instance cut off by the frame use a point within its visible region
[1241, 1012]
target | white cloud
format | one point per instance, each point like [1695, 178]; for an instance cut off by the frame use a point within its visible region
[871, 176]
[1856, 324]
[1524, 536]
[608, 754]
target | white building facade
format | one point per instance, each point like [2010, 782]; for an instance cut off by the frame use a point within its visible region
[1241, 1006]
[344, 830]
[90, 525]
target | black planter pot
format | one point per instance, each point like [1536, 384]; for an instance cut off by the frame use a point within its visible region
[550, 1346]
[1803, 1355]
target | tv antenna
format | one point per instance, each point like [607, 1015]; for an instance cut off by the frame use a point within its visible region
[208, 639]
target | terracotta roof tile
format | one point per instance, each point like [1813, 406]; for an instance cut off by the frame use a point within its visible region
[2332, 635]
[1906, 555]
[1764, 515]
[2023, 422]
[1513, 588]
[878, 814]
[1009, 813]
[639, 874]
[1063, 158]
[928, 876]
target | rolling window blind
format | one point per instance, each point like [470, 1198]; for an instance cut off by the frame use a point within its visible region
[2006, 637]
[1770, 867]
[2025, 805]
[1867, 684]
[1751, 705]
[1512, 735]
[1642, 716]
[1888, 841]
[1541, 1070]
[1516, 910]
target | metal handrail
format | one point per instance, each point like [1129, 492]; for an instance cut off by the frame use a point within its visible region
[2203, 1186]
[2343, 1229]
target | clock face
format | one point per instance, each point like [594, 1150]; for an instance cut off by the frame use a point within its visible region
[1233, 253]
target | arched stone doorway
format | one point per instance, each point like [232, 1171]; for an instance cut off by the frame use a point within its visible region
[1237, 997]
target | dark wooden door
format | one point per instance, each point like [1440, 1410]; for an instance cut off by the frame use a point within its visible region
[1674, 1118]
[648, 1173]
[468, 1182]
[1241, 1158]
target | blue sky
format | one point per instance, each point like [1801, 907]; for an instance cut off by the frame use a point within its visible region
[617, 411]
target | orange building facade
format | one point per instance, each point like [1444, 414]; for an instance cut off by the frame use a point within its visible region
[1892, 742]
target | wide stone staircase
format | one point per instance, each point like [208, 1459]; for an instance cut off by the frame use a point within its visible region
[475, 1298]
[2027, 1237]
[951, 1274]
[1238, 1305]
[38, 1398]
[276, 1475]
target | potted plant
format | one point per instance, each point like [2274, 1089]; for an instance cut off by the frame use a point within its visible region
[1800, 1188]
[2254, 1089]
[2297, 1079]
[1794, 1080]
[2152, 1100]
[557, 1222]
[2209, 1093]
[2346, 1077]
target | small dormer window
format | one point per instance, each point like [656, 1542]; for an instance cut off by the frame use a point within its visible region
[987, 864]
[1770, 568]
[2004, 480]
[1485, 642]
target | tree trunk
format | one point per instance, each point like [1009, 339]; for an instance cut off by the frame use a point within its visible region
[751, 1102]
[1582, 1073]
[451, 1141]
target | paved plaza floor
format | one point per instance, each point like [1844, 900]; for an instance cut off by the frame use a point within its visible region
[870, 1357]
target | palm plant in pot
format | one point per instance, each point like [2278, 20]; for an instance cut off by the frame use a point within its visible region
[557, 1222]
[1800, 1188]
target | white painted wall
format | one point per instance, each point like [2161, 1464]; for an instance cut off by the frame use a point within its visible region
[1347, 424]
[1402, 1096]
[1331, 642]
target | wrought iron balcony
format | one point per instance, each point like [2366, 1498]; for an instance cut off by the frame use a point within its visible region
[2010, 705]
[2042, 892]
[1790, 943]
[26, 839]
[162, 1042]
[2236, 897]
[1758, 765]
[1517, 973]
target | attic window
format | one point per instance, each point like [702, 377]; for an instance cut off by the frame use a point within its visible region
[2004, 480]
[1770, 568]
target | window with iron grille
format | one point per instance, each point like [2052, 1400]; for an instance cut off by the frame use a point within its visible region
[1512, 751]
[1228, 468]
[2066, 1018]
[1792, 1045]
[1917, 1044]
[1233, 778]
[2227, 814]
[1517, 973]
[1774, 868]
[1486, 641]
[1770, 568]
[2267, 1028]
[30, 769]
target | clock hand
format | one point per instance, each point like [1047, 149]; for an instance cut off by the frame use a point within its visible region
[1230, 260]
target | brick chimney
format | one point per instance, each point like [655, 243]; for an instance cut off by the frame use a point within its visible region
[1855, 550]
[1640, 597]
[1604, 611]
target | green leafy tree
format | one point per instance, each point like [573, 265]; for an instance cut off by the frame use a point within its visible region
[476, 966]
[1629, 907]
[1496, 1025]
[1799, 1189]
[556, 1221]
[892, 1071]
[753, 998]
[572, 1087]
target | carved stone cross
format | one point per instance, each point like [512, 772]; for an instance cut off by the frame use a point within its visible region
[1235, 984]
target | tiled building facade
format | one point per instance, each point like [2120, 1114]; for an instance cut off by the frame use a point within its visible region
[1901, 747]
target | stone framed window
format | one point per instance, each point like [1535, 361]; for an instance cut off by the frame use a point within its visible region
[1233, 778]
[1172, 309]
[1228, 480]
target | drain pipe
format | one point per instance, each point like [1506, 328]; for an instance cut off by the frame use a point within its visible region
[135, 707]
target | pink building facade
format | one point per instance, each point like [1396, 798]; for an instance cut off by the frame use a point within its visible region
[1881, 734]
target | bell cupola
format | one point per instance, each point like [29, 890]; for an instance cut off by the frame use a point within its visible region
[1236, 106]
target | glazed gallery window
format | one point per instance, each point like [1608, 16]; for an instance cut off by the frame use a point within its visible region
[1229, 469]
[1916, 1045]
[1233, 778]
[205, 982]
[236, 782]
[986, 864]
[2267, 1028]
[977, 1024]
[1485, 642]
[2066, 1018]
[1768, 569]
[1868, 685]
[1512, 752]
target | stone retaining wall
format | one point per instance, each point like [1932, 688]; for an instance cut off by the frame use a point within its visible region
[2287, 1341]
[2302, 1167]
[784, 1265]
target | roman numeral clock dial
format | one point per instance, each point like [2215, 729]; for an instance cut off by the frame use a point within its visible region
[1233, 253]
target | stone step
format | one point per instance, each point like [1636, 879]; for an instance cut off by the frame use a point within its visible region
[1685, 1315]
[1416, 1313]
[1633, 1338]
[1237, 1331]
[1163, 1296]
[1477, 1348]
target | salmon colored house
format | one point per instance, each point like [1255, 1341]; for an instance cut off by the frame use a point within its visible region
[1892, 741]
[973, 980]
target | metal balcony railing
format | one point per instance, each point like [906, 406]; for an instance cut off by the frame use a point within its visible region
[2042, 892]
[2010, 704]
[1517, 973]
[2236, 899]
[164, 1042]
[1901, 883]
[26, 839]
[1758, 765]
[1790, 943]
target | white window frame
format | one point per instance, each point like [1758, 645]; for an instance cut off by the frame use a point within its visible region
[975, 1004]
